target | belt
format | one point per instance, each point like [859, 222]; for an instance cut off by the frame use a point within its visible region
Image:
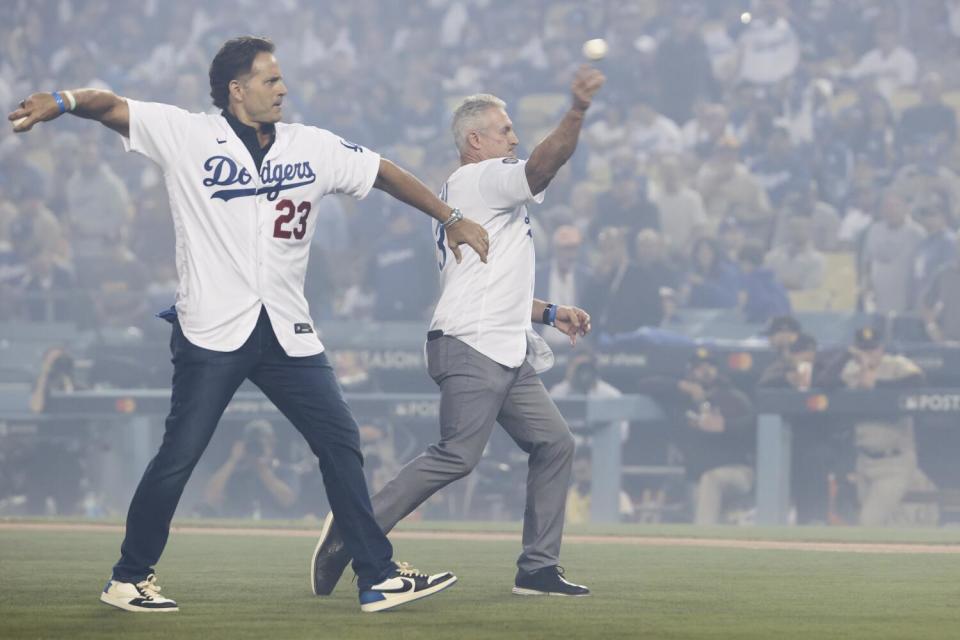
[433, 335]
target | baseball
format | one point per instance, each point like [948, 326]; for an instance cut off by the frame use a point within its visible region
[595, 49]
[19, 121]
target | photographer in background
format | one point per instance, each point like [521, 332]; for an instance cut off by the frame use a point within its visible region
[252, 483]
[583, 379]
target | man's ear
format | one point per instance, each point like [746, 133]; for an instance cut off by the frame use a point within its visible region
[474, 139]
[236, 90]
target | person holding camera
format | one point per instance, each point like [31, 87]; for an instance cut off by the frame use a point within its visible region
[252, 483]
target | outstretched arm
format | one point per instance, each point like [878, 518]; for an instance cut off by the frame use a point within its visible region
[407, 188]
[103, 106]
[556, 148]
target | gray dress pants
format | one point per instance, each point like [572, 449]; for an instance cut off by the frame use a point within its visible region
[475, 393]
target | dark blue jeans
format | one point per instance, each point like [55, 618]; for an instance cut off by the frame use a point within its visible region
[306, 391]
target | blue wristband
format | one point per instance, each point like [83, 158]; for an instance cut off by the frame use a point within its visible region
[60, 103]
[550, 315]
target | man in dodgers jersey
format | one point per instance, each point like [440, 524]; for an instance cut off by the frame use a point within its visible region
[481, 350]
[242, 186]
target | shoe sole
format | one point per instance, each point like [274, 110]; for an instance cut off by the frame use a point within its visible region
[120, 604]
[520, 591]
[393, 601]
[324, 533]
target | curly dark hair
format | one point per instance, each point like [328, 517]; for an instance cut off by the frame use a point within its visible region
[235, 58]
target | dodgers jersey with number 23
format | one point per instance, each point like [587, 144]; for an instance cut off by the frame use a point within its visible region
[242, 235]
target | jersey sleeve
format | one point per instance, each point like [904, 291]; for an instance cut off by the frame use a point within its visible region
[156, 130]
[350, 168]
[504, 185]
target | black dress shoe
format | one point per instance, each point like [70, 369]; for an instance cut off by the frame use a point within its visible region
[548, 581]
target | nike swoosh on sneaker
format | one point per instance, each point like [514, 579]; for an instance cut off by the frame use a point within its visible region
[408, 585]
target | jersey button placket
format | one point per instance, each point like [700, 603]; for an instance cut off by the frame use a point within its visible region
[262, 214]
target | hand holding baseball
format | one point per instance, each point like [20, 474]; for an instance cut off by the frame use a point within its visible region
[39, 107]
[586, 83]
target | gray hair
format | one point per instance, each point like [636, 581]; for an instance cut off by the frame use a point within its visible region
[467, 117]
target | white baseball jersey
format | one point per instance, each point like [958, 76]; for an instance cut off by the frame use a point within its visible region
[488, 306]
[242, 235]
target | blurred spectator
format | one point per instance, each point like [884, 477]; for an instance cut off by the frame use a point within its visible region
[761, 296]
[794, 367]
[729, 189]
[932, 123]
[626, 293]
[583, 379]
[116, 280]
[936, 250]
[47, 290]
[403, 269]
[577, 509]
[625, 205]
[650, 133]
[781, 168]
[887, 257]
[639, 301]
[100, 208]
[684, 74]
[873, 141]
[796, 263]
[941, 302]
[781, 333]
[769, 48]
[710, 125]
[563, 280]
[886, 466]
[680, 208]
[712, 281]
[731, 239]
[252, 483]
[824, 220]
[889, 64]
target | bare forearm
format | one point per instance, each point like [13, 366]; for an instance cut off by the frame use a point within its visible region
[407, 188]
[536, 314]
[105, 107]
[94, 104]
[554, 151]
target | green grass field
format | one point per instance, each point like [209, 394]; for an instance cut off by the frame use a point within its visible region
[234, 587]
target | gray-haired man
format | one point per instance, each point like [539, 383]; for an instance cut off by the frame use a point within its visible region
[481, 350]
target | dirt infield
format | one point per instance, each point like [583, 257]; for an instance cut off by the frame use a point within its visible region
[641, 541]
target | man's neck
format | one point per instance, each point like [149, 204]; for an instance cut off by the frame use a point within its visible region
[469, 158]
[264, 131]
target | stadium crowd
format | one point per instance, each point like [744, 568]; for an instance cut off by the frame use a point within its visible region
[764, 157]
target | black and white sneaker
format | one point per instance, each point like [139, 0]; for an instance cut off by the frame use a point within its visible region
[330, 558]
[406, 584]
[143, 596]
[548, 581]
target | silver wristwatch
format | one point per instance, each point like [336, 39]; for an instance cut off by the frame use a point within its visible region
[455, 217]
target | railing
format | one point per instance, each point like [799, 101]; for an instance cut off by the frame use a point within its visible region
[600, 418]
[775, 433]
[144, 409]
